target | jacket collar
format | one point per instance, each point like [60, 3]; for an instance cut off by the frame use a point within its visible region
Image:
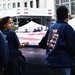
[61, 21]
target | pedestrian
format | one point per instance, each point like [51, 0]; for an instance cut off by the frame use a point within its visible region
[38, 29]
[4, 53]
[16, 63]
[59, 43]
[34, 30]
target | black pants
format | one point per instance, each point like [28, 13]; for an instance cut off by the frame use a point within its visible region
[61, 71]
[16, 66]
[1, 70]
[57, 71]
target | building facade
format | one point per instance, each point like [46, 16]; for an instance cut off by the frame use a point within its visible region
[43, 4]
[10, 4]
[70, 4]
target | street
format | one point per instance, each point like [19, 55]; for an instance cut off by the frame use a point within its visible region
[35, 61]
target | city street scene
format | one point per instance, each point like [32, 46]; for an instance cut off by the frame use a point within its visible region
[41, 32]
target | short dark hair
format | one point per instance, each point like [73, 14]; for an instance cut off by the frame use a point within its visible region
[62, 13]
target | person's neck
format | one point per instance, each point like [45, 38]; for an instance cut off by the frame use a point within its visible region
[66, 20]
[5, 29]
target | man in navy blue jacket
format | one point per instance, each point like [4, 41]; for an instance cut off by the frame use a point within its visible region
[3, 52]
[59, 43]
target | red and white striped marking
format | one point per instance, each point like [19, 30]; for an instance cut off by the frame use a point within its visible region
[49, 11]
[33, 38]
[25, 11]
[18, 11]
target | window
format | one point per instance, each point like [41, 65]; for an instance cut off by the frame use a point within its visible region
[37, 3]
[31, 4]
[18, 4]
[72, 0]
[0, 6]
[57, 1]
[67, 0]
[62, 1]
[73, 8]
[25, 4]
[67, 5]
[57, 6]
[9, 5]
[4, 6]
[14, 5]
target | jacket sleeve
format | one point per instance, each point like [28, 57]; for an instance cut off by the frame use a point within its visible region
[4, 53]
[43, 42]
[70, 39]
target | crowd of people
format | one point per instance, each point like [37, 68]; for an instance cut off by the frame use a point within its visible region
[59, 43]
[35, 30]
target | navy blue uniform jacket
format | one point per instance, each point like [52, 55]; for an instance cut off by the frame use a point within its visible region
[59, 43]
[4, 53]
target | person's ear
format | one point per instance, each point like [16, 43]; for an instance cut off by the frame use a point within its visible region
[67, 18]
[55, 16]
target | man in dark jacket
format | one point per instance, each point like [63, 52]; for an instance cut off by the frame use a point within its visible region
[59, 42]
[3, 53]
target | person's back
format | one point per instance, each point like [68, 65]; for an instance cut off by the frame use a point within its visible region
[59, 42]
[60, 45]
[3, 52]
